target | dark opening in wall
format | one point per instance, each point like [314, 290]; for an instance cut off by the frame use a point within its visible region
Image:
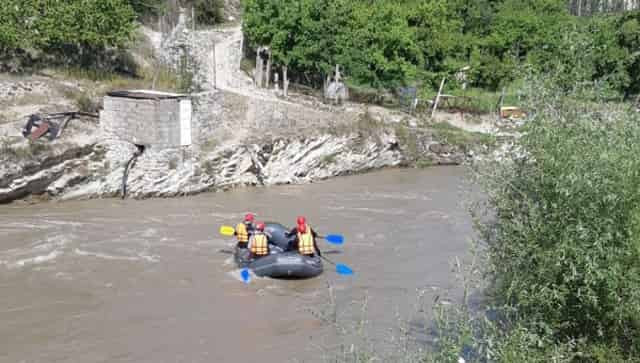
[141, 149]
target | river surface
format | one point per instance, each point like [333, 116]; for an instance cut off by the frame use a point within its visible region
[146, 281]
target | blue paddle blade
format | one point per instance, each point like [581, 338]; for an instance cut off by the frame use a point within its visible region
[343, 269]
[245, 275]
[336, 239]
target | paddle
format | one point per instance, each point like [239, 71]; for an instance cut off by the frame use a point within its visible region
[340, 268]
[335, 239]
[227, 230]
[246, 276]
[331, 252]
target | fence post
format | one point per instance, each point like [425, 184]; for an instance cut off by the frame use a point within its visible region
[193, 19]
[435, 104]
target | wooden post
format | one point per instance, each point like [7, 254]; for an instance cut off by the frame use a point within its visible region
[268, 70]
[285, 81]
[155, 77]
[259, 68]
[325, 87]
[193, 19]
[579, 7]
[500, 103]
[435, 104]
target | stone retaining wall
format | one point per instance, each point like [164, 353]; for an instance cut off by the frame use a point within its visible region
[148, 122]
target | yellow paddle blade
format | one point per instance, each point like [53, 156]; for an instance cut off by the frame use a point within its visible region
[227, 230]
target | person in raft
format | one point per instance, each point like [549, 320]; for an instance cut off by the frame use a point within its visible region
[259, 242]
[305, 241]
[244, 230]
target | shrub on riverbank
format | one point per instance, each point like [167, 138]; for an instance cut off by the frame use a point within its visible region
[563, 239]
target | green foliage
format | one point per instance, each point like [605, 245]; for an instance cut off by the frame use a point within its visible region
[15, 27]
[383, 44]
[72, 32]
[564, 246]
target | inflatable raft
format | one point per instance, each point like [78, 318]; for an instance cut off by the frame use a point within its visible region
[280, 263]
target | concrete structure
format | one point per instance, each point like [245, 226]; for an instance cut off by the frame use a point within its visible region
[149, 118]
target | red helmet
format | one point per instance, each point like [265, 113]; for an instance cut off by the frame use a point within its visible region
[260, 226]
[248, 217]
[302, 228]
[302, 221]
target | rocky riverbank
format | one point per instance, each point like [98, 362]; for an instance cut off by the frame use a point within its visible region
[84, 164]
[244, 136]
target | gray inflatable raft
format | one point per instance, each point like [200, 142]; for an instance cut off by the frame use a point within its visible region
[280, 263]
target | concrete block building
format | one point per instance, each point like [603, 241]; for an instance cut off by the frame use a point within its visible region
[149, 118]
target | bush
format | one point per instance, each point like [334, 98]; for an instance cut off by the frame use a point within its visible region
[564, 245]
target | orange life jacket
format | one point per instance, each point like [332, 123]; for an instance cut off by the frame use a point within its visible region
[241, 233]
[259, 244]
[305, 242]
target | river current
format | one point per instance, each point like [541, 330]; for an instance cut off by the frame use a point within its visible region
[152, 281]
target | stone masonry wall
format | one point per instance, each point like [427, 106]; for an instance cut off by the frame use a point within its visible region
[167, 122]
[222, 115]
[142, 121]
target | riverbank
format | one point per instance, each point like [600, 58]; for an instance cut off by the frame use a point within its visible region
[243, 136]
[83, 164]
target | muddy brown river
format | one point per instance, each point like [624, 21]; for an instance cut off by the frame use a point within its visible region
[146, 281]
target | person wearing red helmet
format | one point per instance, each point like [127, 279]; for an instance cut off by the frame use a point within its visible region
[305, 242]
[259, 242]
[244, 230]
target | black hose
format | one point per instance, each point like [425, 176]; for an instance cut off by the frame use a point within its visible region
[130, 164]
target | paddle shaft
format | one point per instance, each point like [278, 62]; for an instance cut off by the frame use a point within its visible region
[328, 260]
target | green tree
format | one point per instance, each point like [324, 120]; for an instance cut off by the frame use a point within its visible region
[16, 27]
[380, 49]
